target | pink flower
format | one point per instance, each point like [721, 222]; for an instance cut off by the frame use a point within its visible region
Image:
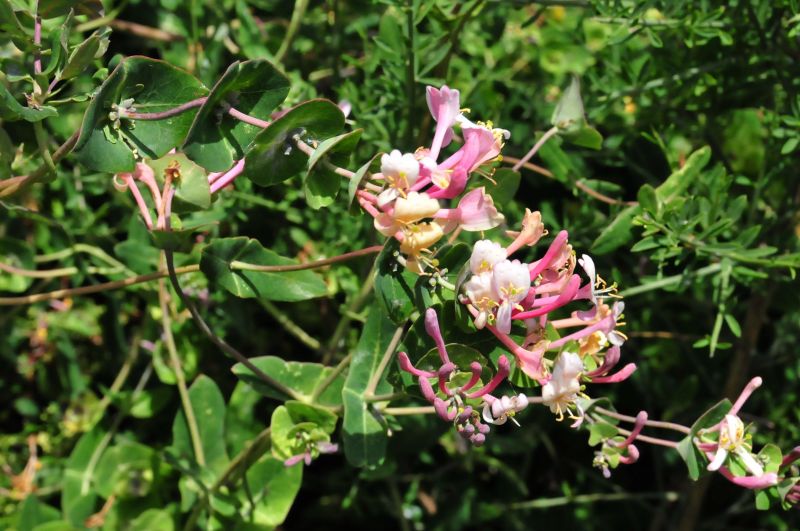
[475, 212]
[444, 106]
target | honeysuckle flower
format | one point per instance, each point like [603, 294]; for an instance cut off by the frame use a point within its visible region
[400, 171]
[485, 254]
[444, 106]
[417, 239]
[475, 212]
[532, 231]
[561, 392]
[511, 282]
[500, 410]
[414, 207]
[732, 440]
[320, 447]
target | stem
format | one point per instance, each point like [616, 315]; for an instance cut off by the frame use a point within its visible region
[14, 184]
[169, 341]
[387, 357]
[602, 197]
[37, 41]
[547, 503]
[244, 266]
[290, 325]
[545, 137]
[300, 7]
[644, 438]
[650, 423]
[97, 288]
[387, 397]
[530, 166]
[106, 440]
[164, 114]
[246, 118]
[324, 384]
[397, 411]
[669, 281]
[347, 316]
[122, 375]
[243, 458]
[203, 326]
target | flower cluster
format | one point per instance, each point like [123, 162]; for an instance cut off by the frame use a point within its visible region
[407, 205]
[455, 407]
[728, 441]
[501, 291]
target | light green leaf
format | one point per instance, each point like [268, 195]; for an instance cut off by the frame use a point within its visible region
[321, 184]
[209, 411]
[274, 488]
[569, 115]
[287, 286]
[152, 519]
[303, 378]
[364, 436]
[192, 191]
[12, 110]
[15, 253]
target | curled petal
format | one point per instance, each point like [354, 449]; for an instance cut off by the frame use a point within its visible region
[405, 364]
[623, 374]
[632, 457]
[444, 375]
[751, 386]
[427, 390]
[477, 370]
[751, 482]
[441, 409]
[610, 360]
[641, 418]
[503, 369]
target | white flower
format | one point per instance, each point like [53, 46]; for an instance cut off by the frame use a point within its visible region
[401, 172]
[481, 294]
[563, 388]
[499, 410]
[485, 254]
[731, 439]
[511, 281]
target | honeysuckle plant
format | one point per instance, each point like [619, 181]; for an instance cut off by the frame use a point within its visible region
[472, 310]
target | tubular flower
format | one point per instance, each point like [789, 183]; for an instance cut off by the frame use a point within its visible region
[454, 407]
[561, 392]
[400, 171]
[500, 410]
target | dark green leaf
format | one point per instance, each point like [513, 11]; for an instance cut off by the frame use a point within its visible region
[209, 412]
[274, 156]
[216, 140]
[286, 286]
[155, 86]
[12, 110]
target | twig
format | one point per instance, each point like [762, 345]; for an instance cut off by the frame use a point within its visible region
[96, 288]
[387, 357]
[290, 326]
[545, 137]
[180, 379]
[342, 365]
[244, 266]
[602, 197]
[300, 7]
[650, 423]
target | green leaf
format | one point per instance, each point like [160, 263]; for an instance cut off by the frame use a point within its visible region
[273, 487]
[568, 114]
[321, 184]
[155, 86]
[618, 232]
[287, 286]
[15, 253]
[394, 285]
[505, 186]
[693, 458]
[364, 436]
[11, 110]
[586, 136]
[216, 140]
[9, 23]
[648, 199]
[679, 180]
[84, 54]
[77, 496]
[59, 8]
[190, 181]
[125, 470]
[209, 412]
[361, 175]
[600, 431]
[32, 512]
[274, 157]
[303, 378]
[152, 519]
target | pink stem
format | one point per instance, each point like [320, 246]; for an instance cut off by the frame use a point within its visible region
[545, 137]
[163, 114]
[246, 118]
[791, 457]
[476, 369]
[228, 177]
[137, 196]
[641, 419]
[37, 41]
[405, 364]
[751, 386]
[585, 332]
[623, 374]
[503, 370]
